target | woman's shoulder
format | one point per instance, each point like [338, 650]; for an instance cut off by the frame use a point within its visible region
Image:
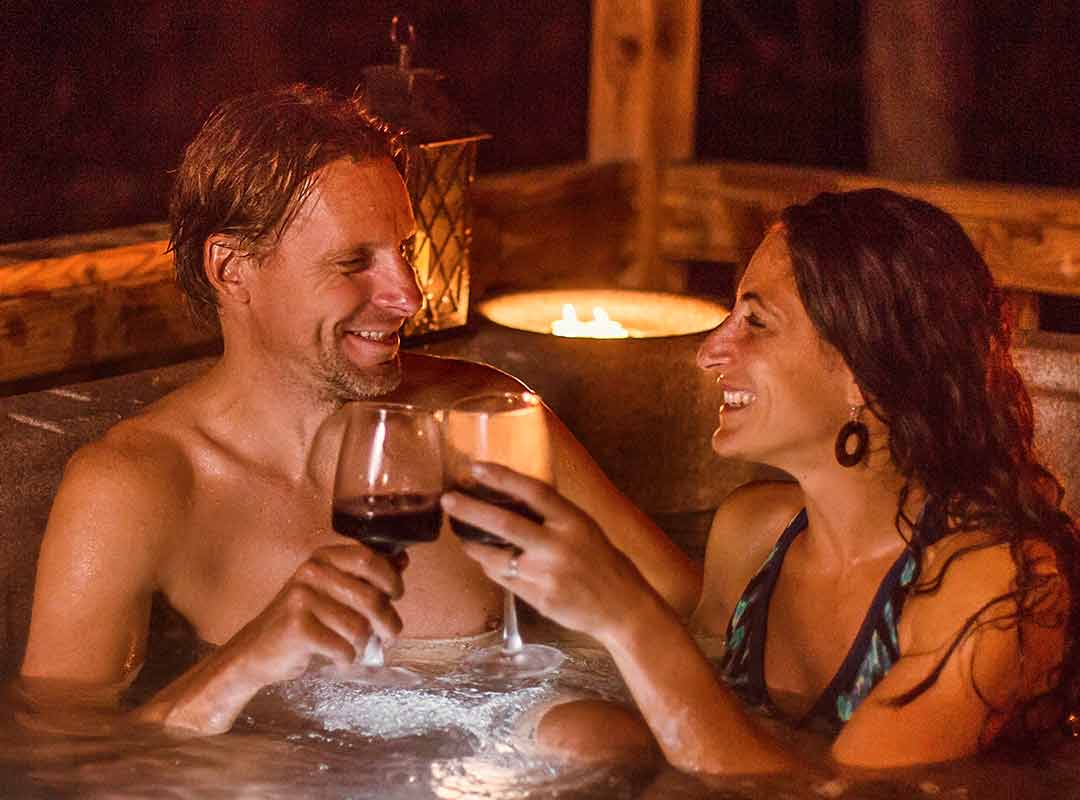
[987, 559]
[979, 577]
[994, 612]
[750, 520]
[757, 510]
[745, 528]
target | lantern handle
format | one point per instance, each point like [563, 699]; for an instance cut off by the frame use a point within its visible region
[404, 43]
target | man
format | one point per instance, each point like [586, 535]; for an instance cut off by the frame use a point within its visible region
[289, 222]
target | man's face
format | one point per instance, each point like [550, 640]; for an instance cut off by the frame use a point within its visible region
[328, 301]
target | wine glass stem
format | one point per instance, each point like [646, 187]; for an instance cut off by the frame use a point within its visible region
[373, 652]
[511, 636]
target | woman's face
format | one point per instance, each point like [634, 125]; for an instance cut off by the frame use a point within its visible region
[786, 392]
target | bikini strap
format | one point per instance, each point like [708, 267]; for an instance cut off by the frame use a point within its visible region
[743, 664]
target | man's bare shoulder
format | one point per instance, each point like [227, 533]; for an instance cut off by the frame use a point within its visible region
[143, 463]
[114, 520]
[439, 380]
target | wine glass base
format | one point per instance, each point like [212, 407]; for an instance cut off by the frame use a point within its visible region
[382, 677]
[531, 661]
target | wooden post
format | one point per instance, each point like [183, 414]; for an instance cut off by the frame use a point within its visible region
[917, 75]
[642, 103]
[918, 71]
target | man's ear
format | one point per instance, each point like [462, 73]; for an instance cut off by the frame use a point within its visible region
[227, 263]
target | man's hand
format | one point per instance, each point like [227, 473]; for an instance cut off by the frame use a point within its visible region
[325, 612]
[329, 607]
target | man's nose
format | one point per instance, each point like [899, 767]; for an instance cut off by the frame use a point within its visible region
[401, 292]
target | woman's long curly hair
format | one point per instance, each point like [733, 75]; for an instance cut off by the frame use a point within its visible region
[898, 288]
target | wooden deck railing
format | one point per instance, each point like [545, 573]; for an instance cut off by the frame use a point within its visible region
[71, 304]
[1030, 236]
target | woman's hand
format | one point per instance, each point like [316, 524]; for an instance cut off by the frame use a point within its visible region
[567, 569]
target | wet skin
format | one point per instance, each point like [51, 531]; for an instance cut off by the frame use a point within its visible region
[218, 496]
[792, 393]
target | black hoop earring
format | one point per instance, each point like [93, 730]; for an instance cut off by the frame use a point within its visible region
[853, 427]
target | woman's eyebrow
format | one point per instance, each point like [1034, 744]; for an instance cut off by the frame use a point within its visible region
[771, 309]
[754, 297]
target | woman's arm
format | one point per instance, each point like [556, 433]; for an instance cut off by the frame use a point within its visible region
[667, 568]
[570, 572]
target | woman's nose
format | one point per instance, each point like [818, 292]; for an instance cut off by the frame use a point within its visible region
[716, 350]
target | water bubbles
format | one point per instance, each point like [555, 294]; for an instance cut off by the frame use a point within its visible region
[325, 738]
[397, 713]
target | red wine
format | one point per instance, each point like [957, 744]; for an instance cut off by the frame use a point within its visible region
[388, 523]
[474, 534]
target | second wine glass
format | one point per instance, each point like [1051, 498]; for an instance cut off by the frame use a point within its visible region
[508, 428]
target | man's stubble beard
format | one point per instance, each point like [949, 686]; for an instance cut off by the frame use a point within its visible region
[342, 381]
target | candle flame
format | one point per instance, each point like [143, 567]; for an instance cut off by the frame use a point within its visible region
[601, 326]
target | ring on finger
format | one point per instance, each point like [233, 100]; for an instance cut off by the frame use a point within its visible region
[512, 569]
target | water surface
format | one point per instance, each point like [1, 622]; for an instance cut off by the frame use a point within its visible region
[453, 738]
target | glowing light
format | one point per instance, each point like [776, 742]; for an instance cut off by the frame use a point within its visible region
[601, 326]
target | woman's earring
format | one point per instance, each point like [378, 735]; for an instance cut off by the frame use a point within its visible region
[853, 427]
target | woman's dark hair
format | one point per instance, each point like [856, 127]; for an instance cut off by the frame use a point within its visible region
[898, 288]
[252, 164]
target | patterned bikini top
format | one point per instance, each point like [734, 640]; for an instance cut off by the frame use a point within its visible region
[872, 654]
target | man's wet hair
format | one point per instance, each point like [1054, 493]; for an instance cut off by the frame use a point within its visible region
[250, 167]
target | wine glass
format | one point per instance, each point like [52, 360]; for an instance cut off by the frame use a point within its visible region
[508, 428]
[387, 486]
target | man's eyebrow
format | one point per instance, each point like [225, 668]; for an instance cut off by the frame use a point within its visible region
[364, 248]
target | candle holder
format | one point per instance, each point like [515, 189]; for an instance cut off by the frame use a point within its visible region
[440, 168]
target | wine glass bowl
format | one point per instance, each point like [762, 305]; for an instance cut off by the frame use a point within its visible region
[507, 428]
[387, 485]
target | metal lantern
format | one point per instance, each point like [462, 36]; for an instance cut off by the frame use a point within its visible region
[441, 165]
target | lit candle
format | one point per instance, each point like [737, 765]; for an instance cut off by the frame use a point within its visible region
[601, 326]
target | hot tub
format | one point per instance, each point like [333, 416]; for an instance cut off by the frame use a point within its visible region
[453, 739]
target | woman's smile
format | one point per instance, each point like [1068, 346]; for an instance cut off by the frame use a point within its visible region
[735, 399]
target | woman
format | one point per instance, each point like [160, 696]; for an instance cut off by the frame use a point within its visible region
[913, 589]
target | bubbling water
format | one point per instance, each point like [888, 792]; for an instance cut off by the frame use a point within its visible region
[453, 738]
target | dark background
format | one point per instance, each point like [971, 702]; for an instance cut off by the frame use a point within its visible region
[100, 98]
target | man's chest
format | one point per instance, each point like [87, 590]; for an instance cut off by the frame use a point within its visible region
[242, 547]
[242, 543]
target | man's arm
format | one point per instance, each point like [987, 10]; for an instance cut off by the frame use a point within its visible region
[108, 535]
[96, 570]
